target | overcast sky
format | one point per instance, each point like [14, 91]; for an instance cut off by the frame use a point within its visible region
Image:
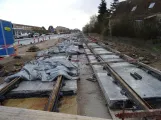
[67, 13]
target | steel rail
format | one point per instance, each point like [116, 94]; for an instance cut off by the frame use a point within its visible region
[54, 95]
[9, 86]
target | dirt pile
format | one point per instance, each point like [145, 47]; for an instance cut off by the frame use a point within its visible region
[33, 49]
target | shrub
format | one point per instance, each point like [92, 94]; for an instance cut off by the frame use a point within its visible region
[123, 28]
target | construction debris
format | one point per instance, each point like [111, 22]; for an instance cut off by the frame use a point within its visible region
[17, 57]
[1, 66]
[33, 49]
[91, 79]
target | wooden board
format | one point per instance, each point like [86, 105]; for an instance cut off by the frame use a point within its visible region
[8, 113]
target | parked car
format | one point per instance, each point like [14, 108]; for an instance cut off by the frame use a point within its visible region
[31, 35]
[43, 35]
[18, 36]
[36, 35]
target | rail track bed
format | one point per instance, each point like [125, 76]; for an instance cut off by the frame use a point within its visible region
[136, 85]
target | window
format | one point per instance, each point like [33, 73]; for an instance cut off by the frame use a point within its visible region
[134, 8]
[151, 5]
[160, 20]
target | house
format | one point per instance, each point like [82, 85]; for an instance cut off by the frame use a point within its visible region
[62, 30]
[139, 11]
[24, 29]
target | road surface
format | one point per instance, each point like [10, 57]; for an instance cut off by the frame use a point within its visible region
[27, 41]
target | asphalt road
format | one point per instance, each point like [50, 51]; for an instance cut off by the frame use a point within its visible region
[27, 41]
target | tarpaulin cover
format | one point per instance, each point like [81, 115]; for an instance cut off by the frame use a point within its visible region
[46, 70]
[68, 46]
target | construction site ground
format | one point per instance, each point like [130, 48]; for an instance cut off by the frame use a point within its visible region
[89, 100]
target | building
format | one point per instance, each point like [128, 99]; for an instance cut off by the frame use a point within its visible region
[26, 27]
[75, 30]
[140, 11]
[62, 30]
[20, 29]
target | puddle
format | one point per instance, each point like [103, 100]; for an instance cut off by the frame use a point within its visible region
[68, 105]
[28, 103]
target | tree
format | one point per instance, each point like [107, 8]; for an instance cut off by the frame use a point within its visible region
[43, 28]
[86, 28]
[99, 24]
[114, 6]
[51, 29]
[102, 10]
[93, 21]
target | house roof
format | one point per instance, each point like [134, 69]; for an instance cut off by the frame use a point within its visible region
[143, 8]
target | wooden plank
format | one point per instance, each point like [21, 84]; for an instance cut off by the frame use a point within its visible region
[9, 113]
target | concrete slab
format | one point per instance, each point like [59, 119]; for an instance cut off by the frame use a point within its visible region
[111, 91]
[70, 85]
[148, 87]
[34, 86]
[87, 51]
[92, 58]
[100, 51]
[39, 88]
[110, 57]
[93, 45]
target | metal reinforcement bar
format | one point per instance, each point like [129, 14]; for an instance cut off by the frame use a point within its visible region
[130, 92]
[54, 95]
[9, 86]
[102, 63]
[102, 54]
[140, 114]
